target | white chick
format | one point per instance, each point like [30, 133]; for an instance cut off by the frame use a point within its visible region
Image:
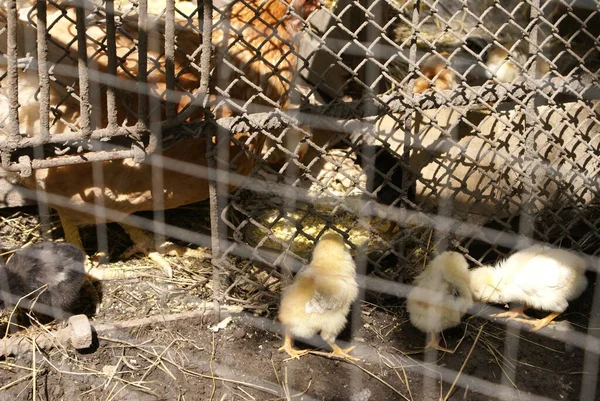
[320, 297]
[440, 296]
[539, 277]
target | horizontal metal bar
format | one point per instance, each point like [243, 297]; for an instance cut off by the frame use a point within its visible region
[25, 164]
[397, 102]
[341, 114]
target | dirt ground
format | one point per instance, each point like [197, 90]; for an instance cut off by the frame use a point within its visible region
[154, 343]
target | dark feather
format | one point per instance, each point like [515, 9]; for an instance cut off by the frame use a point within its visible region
[385, 175]
[53, 273]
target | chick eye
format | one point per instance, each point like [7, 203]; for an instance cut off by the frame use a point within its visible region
[455, 292]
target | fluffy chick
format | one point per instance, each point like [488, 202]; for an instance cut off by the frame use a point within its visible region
[435, 73]
[319, 299]
[51, 273]
[538, 277]
[440, 296]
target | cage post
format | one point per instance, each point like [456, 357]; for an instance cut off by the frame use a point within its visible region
[159, 227]
[170, 57]
[591, 360]
[429, 382]
[85, 123]
[526, 223]
[143, 87]
[12, 73]
[214, 186]
[42, 67]
[111, 50]
[44, 107]
[531, 130]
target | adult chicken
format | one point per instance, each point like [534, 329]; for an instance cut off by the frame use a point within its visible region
[259, 59]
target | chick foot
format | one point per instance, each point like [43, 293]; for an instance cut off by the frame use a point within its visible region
[288, 347]
[434, 343]
[539, 324]
[514, 313]
[95, 270]
[143, 243]
[341, 353]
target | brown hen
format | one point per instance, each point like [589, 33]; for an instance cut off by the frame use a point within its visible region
[259, 77]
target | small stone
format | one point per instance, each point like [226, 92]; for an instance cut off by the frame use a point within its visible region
[239, 333]
[81, 332]
[364, 395]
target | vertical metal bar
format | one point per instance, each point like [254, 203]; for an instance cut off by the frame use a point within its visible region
[111, 43]
[44, 102]
[82, 69]
[100, 211]
[142, 124]
[372, 73]
[42, 63]
[213, 185]
[531, 130]
[408, 122]
[170, 57]
[591, 360]
[205, 55]
[511, 346]
[96, 94]
[12, 74]
[429, 382]
[155, 117]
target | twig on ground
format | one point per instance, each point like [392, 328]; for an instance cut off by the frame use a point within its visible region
[464, 362]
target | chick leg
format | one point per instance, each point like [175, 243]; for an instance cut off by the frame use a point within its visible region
[143, 242]
[288, 347]
[72, 236]
[71, 230]
[341, 353]
[539, 324]
[434, 342]
[518, 311]
[390, 231]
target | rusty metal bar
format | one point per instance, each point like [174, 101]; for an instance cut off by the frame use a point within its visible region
[211, 150]
[412, 71]
[343, 114]
[154, 119]
[170, 58]
[111, 50]
[44, 107]
[527, 221]
[42, 65]
[72, 160]
[142, 78]
[12, 75]
[531, 128]
[85, 123]
[573, 87]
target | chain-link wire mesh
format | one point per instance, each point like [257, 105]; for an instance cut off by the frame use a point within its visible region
[408, 127]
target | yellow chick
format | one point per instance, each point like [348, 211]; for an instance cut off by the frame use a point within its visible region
[538, 277]
[440, 296]
[320, 297]
[502, 69]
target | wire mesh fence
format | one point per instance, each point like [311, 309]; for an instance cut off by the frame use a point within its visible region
[408, 127]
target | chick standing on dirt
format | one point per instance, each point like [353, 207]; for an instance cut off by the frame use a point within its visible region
[319, 299]
[440, 296]
[51, 273]
[539, 277]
